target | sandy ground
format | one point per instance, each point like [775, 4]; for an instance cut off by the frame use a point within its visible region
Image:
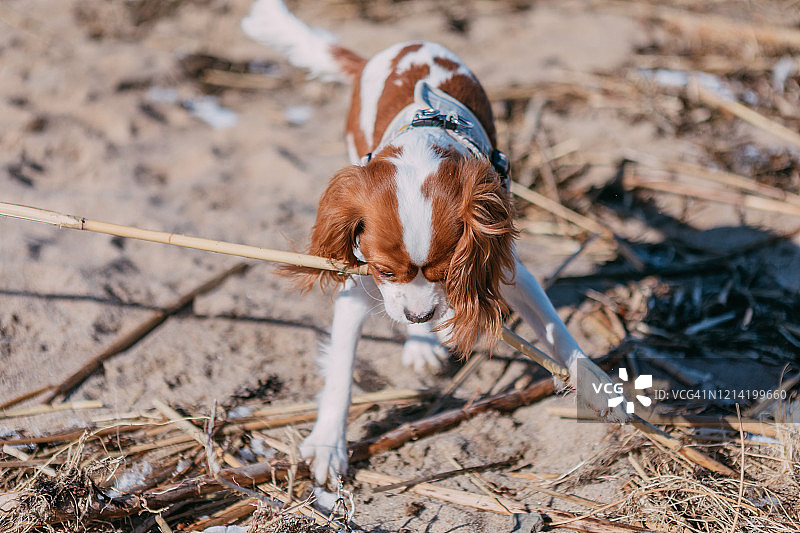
[91, 123]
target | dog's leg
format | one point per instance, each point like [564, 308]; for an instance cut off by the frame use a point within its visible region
[528, 298]
[326, 444]
[423, 348]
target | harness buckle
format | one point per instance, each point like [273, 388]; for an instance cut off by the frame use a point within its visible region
[432, 117]
[457, 121]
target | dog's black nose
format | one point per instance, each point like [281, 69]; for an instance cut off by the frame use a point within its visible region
[417, 319]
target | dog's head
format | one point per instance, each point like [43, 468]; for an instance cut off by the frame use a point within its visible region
[435, 228]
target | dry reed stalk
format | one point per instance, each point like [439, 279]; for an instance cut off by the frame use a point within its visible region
[530, 351]
[547, 283]
[497, 504]
[555, 152]
[479, 482]
[571, 498]
[711, 28]
[579, 220]
[30, 463]
[22, 456]
[230, 429]
[364, 401]
[537, 476]
[713, 195]
[560, 211]
[468, 499]
[748, 115]
[177, 444]
[276, 444]
[717, 176]
[162, 524]
[741, 474]
[180, 421]
[228, 515]
[638, 467]
[252, 252]
[692, 454]
[45, 409]
[549, 181]
[519, 146]
[181, 439]
[387, 395]
[129, 338]
[732, 423]
[68, 436]
[583, 84]
[23, 397]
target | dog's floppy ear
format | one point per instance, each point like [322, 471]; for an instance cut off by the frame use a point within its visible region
[483, 257]
[333, 236]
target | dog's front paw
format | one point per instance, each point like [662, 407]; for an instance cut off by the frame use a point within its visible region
[421, 351]
[597, 394]
[327, 455]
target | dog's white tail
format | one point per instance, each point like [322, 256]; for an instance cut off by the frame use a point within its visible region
[270, 23]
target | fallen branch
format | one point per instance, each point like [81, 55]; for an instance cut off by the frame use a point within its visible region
[24, 397]
[395, 438]
[133, 336]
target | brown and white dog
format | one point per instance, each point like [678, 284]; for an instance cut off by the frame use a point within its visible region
[425, 204]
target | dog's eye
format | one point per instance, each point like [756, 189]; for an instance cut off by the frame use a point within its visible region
[385, 273]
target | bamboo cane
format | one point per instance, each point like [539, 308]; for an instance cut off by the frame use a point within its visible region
[253, 252]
